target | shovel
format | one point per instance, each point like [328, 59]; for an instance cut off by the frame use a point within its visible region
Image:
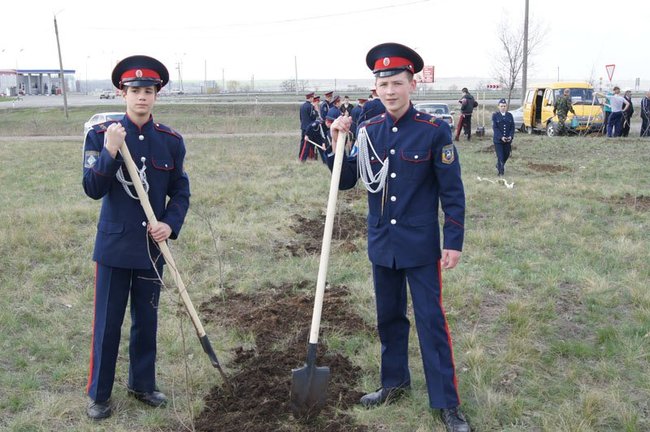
[167, 254]
[309, 383]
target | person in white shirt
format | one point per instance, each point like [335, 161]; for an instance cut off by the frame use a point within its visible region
[617, 104]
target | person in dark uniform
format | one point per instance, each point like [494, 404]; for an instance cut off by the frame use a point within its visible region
[409, 165]
[627, 114]
[127, 262]
[645, 115]
[503, 128]
[308, 150]
[355, 114]
[326, 104]
[307, 115]
[372, 108]
[467, 105]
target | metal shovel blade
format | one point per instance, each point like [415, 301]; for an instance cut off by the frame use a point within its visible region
[309, 387]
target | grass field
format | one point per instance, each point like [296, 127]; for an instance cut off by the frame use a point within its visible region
[549, 308]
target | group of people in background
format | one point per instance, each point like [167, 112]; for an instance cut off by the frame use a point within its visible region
[316, 117]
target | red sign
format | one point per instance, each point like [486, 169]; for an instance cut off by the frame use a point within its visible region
[427, 74]
[494, 86]
[610, 70]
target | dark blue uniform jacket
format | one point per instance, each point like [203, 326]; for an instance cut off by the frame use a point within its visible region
[371, 109]
[502, 126]
[403, 229]
[307, 115]
[121, 232]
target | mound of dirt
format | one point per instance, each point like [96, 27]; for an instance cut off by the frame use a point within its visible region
[279, 319]
[639, 203]
[547, 168]
[348, 226]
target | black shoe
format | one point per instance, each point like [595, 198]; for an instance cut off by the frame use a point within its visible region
[99, 410]
[454, 420]
[154, 398]
[383, 396]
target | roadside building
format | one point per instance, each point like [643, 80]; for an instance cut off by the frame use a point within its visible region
[14, 82]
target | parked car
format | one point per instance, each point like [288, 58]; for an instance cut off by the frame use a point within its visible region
[101, 118]
[518, 116]
[438, 110]
[540, 99]
[107, 94]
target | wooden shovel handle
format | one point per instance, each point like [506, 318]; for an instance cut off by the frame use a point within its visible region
[327, 238]
[167, 254]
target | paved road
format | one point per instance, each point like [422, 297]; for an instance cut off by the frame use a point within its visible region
[63, 138]
[76, 100]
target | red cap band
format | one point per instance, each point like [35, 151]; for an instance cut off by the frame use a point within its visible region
[393, 63]
[134, 74]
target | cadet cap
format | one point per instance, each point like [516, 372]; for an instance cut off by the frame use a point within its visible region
[140, 71]
[391, 58]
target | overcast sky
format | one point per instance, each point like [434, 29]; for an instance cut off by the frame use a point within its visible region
[327, 39]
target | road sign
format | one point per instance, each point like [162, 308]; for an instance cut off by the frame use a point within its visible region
[610, 70]
[427, 74]
[494, 86]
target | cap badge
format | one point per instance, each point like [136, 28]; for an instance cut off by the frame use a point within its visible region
[138, 73]
[386, 61]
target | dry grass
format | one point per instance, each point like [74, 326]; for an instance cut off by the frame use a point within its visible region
[549, 309]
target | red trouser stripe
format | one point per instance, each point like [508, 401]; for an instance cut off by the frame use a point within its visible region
[92, 340]
[459, 126]
[451, 348]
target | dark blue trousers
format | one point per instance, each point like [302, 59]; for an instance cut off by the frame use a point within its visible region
[614, 124]
[503, 153]
[113, 286]
[435, 341]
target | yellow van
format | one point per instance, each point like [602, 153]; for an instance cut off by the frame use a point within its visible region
[540, 99]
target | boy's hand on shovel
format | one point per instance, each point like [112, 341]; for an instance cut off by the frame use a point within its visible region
[159, 232]
[115, 135]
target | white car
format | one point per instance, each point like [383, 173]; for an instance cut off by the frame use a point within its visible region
[101, 118]
[438, 110]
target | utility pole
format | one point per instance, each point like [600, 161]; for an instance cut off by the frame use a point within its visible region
[524, 69]
[61, 74]
[295, 65]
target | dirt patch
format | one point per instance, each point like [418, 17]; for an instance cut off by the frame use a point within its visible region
[348, 227]
[547, 168]
[490, 149]
[639, 203]
[279, 319]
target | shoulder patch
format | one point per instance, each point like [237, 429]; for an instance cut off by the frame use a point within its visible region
[162, 128]
[90, 158]
[448, 155]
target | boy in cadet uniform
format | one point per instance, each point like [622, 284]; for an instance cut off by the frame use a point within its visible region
[326, 104]
[125, 251]
[307, 115]
[503, 128]
[372, 108]
[355, 114]
[408, 163]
